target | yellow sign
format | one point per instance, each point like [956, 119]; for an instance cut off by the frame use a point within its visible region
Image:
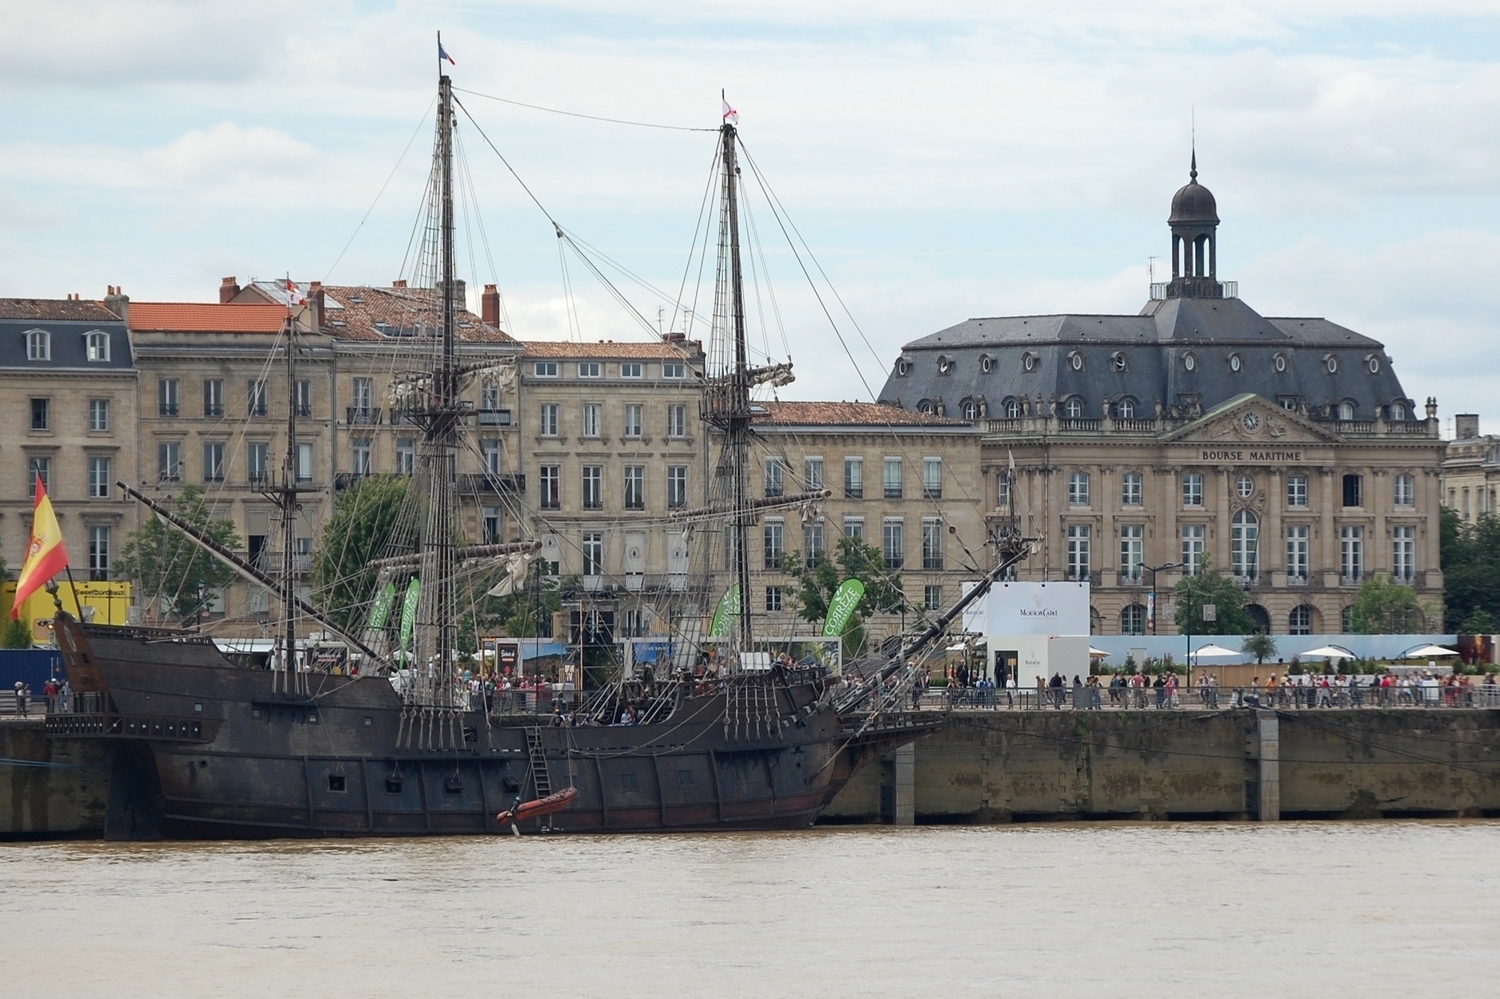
[102, 603]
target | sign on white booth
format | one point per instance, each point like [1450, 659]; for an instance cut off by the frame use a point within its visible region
[1033, 630]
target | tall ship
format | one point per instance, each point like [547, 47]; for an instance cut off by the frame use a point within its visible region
[203, 745]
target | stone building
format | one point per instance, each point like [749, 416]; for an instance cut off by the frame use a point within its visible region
[68, 391]
[1281, 450]
[1471, 470]
[611, 444]
[215, 399]
[907, 483]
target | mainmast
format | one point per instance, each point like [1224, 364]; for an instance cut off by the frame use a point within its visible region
[284, 495]
[439, 418]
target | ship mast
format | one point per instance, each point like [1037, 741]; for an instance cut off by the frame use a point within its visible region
[439, 417]
[284, 496]
[737, 418]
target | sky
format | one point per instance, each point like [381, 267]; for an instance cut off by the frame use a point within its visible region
[941, 161]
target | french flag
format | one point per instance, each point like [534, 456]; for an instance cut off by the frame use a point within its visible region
[443, 54]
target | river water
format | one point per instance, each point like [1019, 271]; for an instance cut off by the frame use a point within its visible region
[1294, 909]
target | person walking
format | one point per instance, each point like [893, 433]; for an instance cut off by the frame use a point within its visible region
[23, 691]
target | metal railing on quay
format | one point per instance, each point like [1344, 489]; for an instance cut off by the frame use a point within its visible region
[1288, 697]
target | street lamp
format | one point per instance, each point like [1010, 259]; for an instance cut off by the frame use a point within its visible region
[1154, 569]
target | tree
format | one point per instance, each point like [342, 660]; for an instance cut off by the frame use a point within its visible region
[1471, 567]
[167, 565]
[1480, 622]
[527, 613]
[853, 559]
[1260, 645]
[17, 634]
[358, 531]
[1384, 607]
[1211, 587]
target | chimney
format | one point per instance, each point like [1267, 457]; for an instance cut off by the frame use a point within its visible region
[117, 303]
[228, 289]
[489, 305]
[315, 300]
[460, 293]
[399, 283]
[1465, 426]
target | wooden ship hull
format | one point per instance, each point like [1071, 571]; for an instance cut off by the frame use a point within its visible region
[202, 748]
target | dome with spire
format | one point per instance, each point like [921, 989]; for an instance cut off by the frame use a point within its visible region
[1194, 202]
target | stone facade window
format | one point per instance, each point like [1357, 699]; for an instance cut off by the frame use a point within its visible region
[1192, 489]
[1130, 489]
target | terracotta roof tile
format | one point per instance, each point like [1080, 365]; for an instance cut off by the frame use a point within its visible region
[366, 312]
[608, 350]
[206, 317]
[847, 414]
[62, 310]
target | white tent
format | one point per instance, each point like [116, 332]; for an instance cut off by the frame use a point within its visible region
[1327, 652]
[1427, 652]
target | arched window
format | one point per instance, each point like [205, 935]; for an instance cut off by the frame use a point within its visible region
[1398, 410]
[1300, 620]
[1125, 408]
[1133, 620]
[38, 345]
[1011, 407]
[969, 408]
[96, 345]
[1073, 408]
[1260, 618]
[925, 406]
[1346, 410]
[1244, 545]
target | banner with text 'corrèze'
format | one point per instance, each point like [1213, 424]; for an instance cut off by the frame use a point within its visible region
[841, 607]
[725, 613]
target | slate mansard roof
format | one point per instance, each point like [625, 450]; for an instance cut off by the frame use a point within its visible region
[1173, 350]
[67, 322]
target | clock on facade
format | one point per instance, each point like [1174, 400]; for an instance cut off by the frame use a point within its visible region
[1251, 420]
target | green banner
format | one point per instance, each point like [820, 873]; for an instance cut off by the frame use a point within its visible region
[842, 607]
[409, 614]
[725, 613]
[381, 612]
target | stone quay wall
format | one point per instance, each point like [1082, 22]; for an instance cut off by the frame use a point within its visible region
[47, 788]
[1040, 765]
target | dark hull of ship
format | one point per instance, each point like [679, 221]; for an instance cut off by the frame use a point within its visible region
[201, 748]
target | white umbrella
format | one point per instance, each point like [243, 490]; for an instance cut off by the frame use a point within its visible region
[1097, 653]
[1215, 651]
[1327, 652]
[1427, 652]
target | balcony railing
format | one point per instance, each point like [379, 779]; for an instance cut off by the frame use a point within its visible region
[491, 482]
[494, 417]
[361, 415]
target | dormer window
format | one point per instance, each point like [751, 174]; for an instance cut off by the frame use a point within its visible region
[925, 406]
[1234, 362]
[38, 345]
[945, 364]
[1331, 363]
[1373, 363]
[1075, 360]
[1398, 411]
[1346, 410]
[590, 369]
[1279, 363]
[986, 363]
[1117, 361]
[903, 367]
[1028, 361]
[96, 345]
[1189, 362]
[1073, 408]
[969, 408]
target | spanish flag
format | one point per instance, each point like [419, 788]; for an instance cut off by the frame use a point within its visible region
[45, 556]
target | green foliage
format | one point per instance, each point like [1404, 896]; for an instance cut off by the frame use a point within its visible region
[356, 533]
[853, 559]
[165, 563]
[1260, 645]
[1129, 666]
[1479, 622]
[17, 634]
[1471, 568]
[1211, 587]
[1384, 607]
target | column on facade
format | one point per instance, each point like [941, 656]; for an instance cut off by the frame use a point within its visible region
[1224, 482]
[1272, 542]
[1168, 495]
[1328, 540]
[1380, 501]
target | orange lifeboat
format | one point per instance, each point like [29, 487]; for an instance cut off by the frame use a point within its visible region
[541, 806]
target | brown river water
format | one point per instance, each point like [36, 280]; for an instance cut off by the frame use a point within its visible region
[1297, 909]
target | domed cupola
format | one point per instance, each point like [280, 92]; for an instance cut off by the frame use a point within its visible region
[1195, 256]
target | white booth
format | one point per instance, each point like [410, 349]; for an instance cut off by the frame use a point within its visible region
[1033, 630]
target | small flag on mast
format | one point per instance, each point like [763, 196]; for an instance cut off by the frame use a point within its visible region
[294, 294]
[443, 54]
[730, 114]
[45, 556]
